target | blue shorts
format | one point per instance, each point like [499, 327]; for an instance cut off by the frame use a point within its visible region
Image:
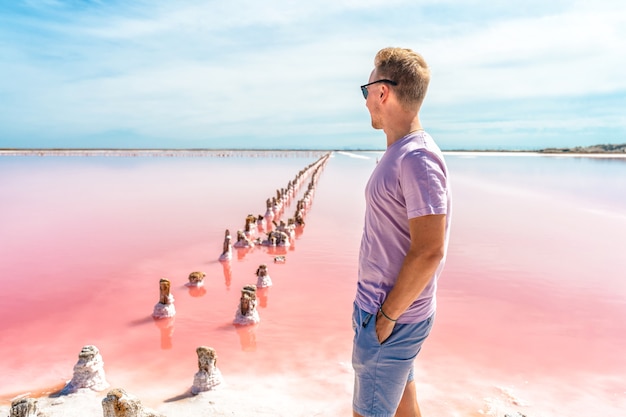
[381, 372]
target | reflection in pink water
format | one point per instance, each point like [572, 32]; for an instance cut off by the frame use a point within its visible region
[532, 304]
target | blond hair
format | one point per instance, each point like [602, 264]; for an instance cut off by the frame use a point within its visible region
[409, 70]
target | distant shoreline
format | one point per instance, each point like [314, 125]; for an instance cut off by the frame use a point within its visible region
[595, 150]
[613, 149]
[225, 153]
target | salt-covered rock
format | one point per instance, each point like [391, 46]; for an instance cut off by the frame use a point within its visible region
[260, 223]
[196, 279]
[227, 249]
[250, 228]
[269, 213]
[263, 278]
[118, 403]
[165, 306]
[208, 376]
[24, 407]
[246, 311]
[243, 241]
[88, 372]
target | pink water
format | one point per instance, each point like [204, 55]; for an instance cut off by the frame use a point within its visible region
[532, 304]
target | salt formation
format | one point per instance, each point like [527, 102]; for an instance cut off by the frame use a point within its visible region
[282, 235]
[269, 213]
[299, 214]
[88, 372]
[196, 279]
[263, 278]
[246, 311]
[250, 228]
[277, 205]
[227, 249]
[118, 403]
[208, 376]
[24, 407]
[243, 241]
[260, 223]
[277, 237]
[165, 306]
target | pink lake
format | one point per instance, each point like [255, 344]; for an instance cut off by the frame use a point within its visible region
[532, 303]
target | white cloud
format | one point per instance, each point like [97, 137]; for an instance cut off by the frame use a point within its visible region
[576, 53]
[218, 16]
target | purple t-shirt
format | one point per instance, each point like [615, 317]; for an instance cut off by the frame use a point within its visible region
[410, 180]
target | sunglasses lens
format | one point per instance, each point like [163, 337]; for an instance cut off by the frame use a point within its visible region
[364, 91]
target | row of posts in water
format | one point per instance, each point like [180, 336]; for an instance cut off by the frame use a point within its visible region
[278, 234]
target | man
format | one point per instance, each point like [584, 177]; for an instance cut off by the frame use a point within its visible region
[404, 241]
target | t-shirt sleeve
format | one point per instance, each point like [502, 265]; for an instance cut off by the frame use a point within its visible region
[423, 181]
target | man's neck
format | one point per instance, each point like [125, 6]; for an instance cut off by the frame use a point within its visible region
[397, 131]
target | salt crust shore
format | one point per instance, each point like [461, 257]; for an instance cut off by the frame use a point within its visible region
[207, 404]
[278, 397]
[245, 397]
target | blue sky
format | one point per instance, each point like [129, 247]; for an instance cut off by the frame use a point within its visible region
[286, 74]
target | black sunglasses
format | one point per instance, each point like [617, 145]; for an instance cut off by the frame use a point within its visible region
[364, 87]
